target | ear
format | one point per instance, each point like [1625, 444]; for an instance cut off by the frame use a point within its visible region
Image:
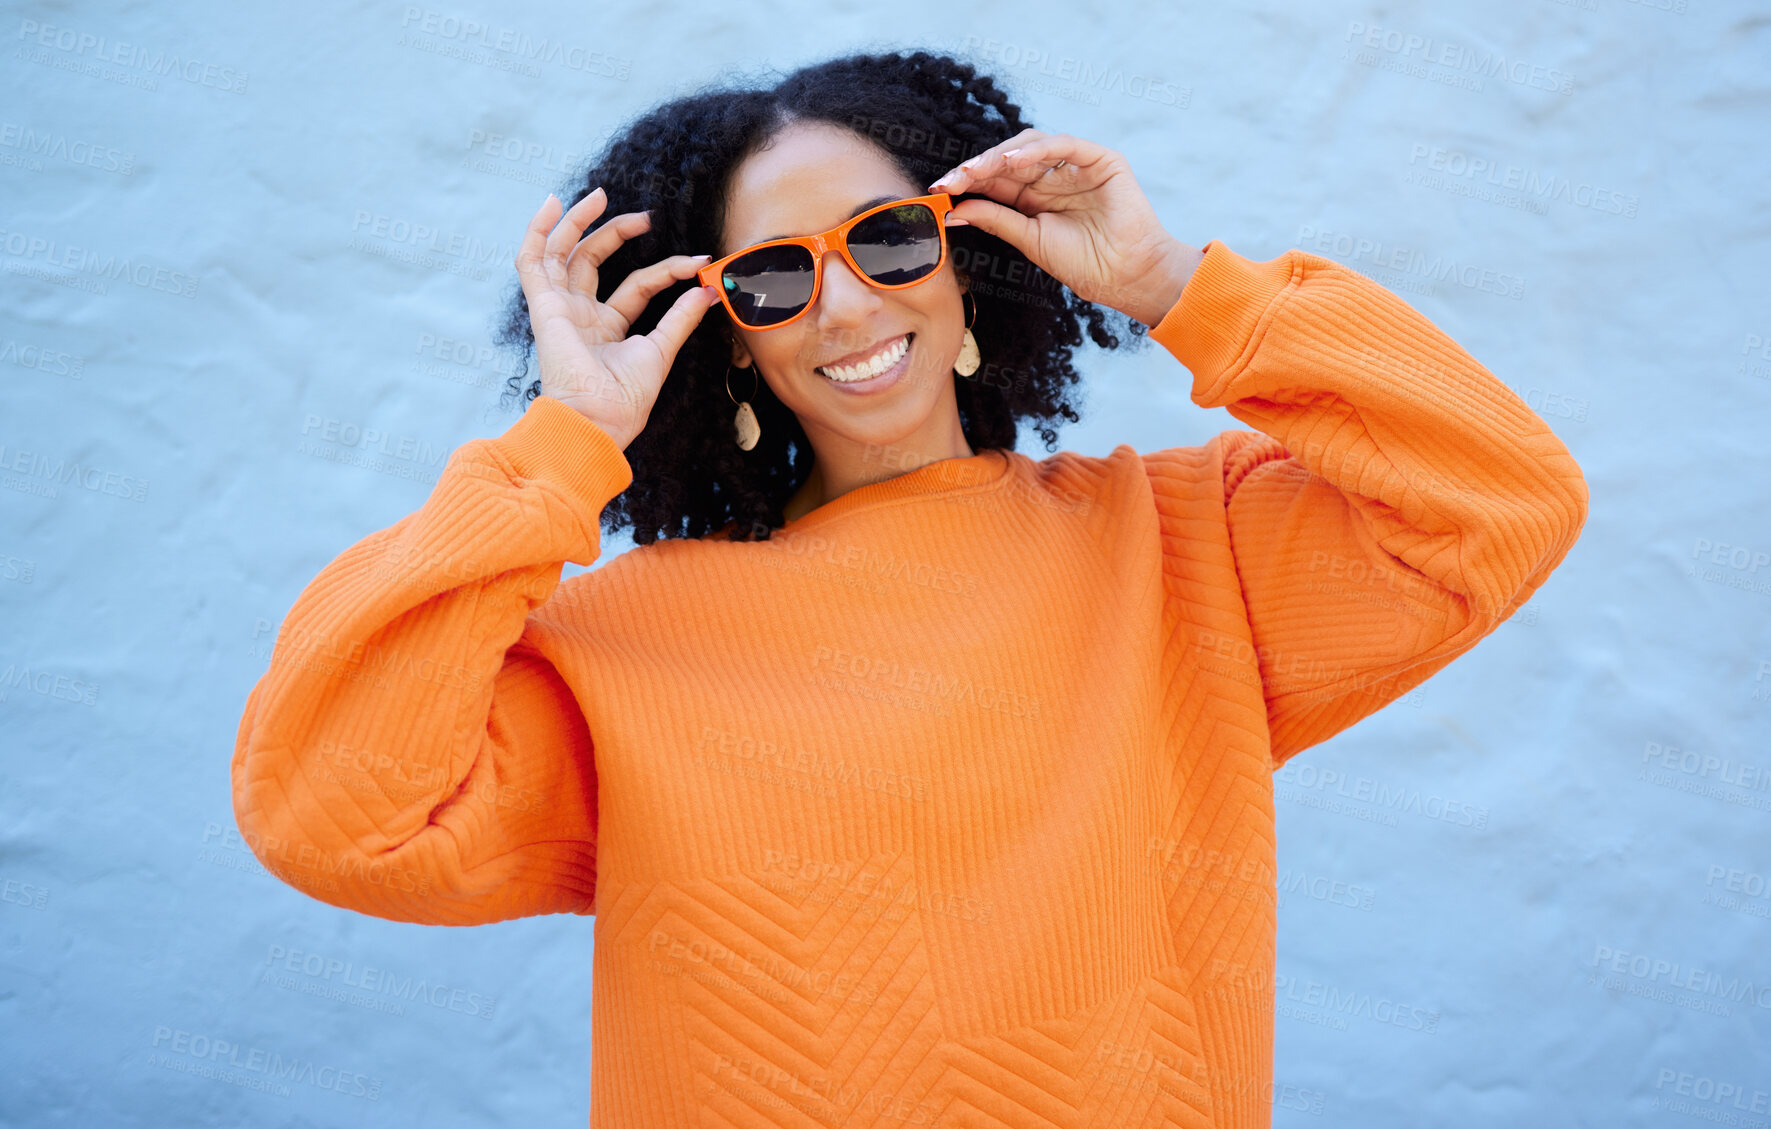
[740, 354]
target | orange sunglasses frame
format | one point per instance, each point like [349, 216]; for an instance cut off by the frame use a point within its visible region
[837, 239]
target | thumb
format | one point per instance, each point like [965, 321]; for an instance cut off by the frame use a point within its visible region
[680, 320]
[1004, 222]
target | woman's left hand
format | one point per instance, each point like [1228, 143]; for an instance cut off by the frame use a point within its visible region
[1075, 210]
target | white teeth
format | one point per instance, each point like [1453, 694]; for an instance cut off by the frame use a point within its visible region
[866, 370]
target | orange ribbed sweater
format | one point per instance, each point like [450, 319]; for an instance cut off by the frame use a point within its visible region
[951, 804]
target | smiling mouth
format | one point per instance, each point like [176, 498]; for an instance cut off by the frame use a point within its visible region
[884, 358]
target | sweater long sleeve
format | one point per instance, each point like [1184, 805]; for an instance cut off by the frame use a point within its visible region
[410, 753]
[951, 803]
[1398, 503]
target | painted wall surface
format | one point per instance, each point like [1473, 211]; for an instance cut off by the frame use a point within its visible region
[252, 256]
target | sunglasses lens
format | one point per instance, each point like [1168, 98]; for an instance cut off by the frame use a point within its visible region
[899, 245]
[769, 285]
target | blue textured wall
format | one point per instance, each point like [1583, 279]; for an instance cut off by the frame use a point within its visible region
[1532, 892]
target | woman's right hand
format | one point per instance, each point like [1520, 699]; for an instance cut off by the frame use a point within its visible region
[587, 360]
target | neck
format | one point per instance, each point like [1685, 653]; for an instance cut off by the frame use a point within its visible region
[841, 464]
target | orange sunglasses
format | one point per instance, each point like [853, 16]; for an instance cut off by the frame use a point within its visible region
[894, 246]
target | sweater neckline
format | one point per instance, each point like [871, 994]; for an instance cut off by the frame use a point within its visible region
[982, 471]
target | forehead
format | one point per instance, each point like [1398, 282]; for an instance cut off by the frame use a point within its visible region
[810, 178]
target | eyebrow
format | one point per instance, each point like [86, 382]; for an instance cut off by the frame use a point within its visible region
[873, 203]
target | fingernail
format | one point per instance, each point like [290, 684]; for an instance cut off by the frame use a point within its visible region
[955, 221]
[1012, 152]
[703, 257]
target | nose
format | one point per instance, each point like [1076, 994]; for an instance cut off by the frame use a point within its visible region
[844, 297]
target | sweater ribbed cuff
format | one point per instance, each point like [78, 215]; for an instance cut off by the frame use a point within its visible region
[561, 446]
[1213, 327]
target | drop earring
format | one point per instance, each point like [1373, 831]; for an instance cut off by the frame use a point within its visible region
[968, 345]
[748, 430]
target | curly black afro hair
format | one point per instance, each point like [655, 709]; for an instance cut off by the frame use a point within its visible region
[928, 112]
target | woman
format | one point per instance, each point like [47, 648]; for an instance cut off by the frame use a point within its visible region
[907, 778]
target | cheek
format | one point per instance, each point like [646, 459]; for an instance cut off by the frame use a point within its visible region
[939, 342]
[782, 355]
[780, 352]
